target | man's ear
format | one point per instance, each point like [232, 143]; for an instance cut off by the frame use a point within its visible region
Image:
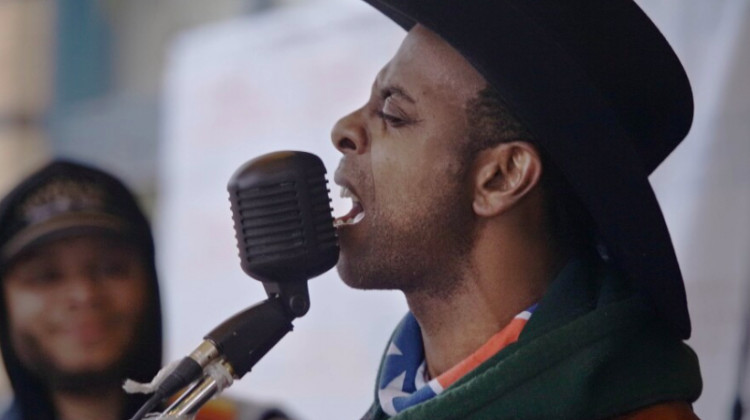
[503, 175]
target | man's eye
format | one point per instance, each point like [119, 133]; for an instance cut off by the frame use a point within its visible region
[392, 120]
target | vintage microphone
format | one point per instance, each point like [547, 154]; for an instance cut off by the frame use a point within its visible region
[285, 235]
[283, 223]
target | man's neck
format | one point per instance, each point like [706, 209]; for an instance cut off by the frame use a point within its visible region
[491, 293]
[105, 404]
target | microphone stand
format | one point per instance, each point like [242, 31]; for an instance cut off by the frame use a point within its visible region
[242, 341]
[285, 234]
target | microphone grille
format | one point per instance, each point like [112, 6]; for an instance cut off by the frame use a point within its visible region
[283, 218]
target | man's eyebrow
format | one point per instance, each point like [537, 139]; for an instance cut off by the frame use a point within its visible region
[396, 90]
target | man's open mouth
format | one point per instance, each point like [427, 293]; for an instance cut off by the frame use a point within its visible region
[355, 215]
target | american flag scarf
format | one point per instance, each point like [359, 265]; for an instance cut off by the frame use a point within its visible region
[403, 380]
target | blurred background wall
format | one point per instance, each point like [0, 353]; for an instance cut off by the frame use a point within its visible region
[26, 61]
[173, 95]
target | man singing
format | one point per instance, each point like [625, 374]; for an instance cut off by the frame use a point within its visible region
[499, 179]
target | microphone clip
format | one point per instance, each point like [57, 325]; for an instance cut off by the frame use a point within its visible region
[293, 295]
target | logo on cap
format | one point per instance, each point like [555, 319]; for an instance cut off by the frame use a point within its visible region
[61, 196]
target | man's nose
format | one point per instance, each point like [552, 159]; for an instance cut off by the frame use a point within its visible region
[349, 134]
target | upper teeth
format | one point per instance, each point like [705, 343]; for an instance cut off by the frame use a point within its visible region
[347, 193]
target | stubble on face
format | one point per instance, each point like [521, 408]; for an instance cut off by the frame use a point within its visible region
[416, 237]
[421, 246]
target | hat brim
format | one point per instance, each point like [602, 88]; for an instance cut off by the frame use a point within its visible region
[60, 227]
[577, 126]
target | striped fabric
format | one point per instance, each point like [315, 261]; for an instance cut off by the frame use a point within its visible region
[403, 382]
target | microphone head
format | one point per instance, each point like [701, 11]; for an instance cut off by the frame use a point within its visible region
[283, 217]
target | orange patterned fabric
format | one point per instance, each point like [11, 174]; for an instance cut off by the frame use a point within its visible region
[678, 410]
[499, 341]
[218, 409]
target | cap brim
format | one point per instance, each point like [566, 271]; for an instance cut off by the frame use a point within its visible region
[63, 226]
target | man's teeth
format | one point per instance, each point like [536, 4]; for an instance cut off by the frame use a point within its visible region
[357, 210]
[347, 193]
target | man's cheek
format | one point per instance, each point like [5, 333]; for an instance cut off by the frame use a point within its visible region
[393, 183]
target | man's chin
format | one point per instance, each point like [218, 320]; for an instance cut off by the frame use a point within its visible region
[352, 277]
[361, 274]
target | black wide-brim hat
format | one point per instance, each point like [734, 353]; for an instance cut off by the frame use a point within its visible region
[603, 93]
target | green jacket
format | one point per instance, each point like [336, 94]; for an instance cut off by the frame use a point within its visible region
[592, 350]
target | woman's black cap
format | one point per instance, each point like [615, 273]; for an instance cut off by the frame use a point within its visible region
[65, 199]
